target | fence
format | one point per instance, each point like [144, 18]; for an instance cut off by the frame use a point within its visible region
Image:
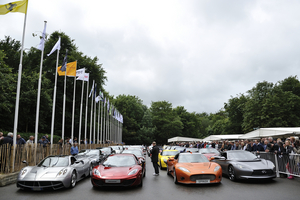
[285, 164]
[33, 155]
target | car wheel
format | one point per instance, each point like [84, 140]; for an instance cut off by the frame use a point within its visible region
[160, 165]
[231, 173]
[141, 184]
[91, 170]
[168, 172]
[144, 172]
[175, 177]
[73, 179]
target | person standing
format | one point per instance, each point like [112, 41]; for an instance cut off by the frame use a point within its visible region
[154, 158]
[74, 149]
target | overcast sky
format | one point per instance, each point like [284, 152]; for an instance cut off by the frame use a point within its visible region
[191, 53]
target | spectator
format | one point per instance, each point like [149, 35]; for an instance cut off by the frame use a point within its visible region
[296, 149]
[31, 140]
[260, 146]
[255, 145]
[74, 149]
[287, 150]
[43, 141]
[154, 158]
[47, 139]
[8, 139]
[1, 138]
[20, 140]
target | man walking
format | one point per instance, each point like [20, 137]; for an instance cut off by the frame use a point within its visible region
[154, 158]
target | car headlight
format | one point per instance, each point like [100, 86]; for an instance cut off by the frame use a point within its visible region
[23, 172]
[62, 172]
[216, 168]
[183, 169]
[165, 161]
[133, 172]
[242, 166]
[96, 172]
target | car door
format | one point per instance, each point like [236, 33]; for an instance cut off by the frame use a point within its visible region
[222, 161]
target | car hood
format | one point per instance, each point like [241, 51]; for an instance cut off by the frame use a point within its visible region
[257, 164]
[38, 173]
[196, 166]
[115, 171]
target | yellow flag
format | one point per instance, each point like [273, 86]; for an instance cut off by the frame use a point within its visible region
[71, 69]
[17, 6]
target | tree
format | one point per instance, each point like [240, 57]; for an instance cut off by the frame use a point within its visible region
[166, 121]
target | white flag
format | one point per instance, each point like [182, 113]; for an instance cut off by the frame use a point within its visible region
[84, 78]
[92, 89]
[55, 47]
[42, 42]
[80, 72]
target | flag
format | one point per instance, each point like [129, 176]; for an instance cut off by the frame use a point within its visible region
[17, 6]
[42, 42]
[64, 65]
[80, 73]
[101, 95]
[92, 89]
[55, 47]
[84, 78]
[95, 91]
[71, 69]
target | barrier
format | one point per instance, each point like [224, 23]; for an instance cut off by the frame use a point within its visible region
[285, 164]
[27, 152]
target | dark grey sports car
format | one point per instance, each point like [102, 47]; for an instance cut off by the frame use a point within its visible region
[239, 164]
[54, 172]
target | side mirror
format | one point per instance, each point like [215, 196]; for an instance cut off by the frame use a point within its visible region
[24, 161]
[212, 158]
[171, 159]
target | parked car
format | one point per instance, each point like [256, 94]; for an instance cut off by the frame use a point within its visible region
[54, 172]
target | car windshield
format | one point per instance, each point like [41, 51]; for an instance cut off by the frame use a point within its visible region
[241, 155]
[169, 153]
[208, 150]
[106, 150]
[116, 147]
[180, 148]
[119, 161]
[192, 158]
[135, 152]
[191, 150]
[54, 162]
[93, 153]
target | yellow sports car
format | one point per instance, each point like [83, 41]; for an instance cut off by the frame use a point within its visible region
[164, 156]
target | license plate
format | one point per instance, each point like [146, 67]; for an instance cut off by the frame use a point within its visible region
[112, 181]
[203, 181]
[36, 189]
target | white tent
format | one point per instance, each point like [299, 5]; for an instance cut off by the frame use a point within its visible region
[272, 132]
[184, 139]
[222, 137]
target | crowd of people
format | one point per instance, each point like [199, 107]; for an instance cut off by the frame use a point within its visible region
[286, 150]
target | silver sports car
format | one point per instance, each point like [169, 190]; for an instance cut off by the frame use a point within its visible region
[54, 172]
[239, 164]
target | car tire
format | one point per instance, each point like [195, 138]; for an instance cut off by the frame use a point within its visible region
[175, 177]
[91, 170]
[144, 172]
[73, 180]
[231, 173]
[168, 172]
[141, 184]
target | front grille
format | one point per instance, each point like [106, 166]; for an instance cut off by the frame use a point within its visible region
[202, 176]
[123, 183]
[41, 184]
[263, 172]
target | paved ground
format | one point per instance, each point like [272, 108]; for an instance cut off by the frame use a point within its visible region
[162, 187]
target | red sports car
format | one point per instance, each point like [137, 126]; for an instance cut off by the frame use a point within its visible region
[118, 170]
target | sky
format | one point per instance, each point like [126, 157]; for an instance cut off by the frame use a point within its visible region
[193, 53]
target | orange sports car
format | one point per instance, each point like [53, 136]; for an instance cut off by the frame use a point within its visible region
[193, 168]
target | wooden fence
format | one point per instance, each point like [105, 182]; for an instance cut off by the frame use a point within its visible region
[32, 155]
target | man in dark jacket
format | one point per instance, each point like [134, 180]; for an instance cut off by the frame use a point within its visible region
[8, 139]
[154, 158]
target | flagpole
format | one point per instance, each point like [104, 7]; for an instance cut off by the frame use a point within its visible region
[80, 116]
[98, 122]
[95, 109]
[38, 97]
[101, 124]
[73, 111]
[104, 127]
[18, 93]
[64, 105]
[86, 112]
[91, 120]
[54, 100]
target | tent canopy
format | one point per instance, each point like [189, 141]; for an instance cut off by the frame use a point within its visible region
[222, 137]
[272, 132]
[184, 139]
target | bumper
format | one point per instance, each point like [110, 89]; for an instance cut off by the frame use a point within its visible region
[116, 182]
[45, 184]
[199, 178]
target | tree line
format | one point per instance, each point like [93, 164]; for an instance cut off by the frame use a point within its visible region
[265, 105]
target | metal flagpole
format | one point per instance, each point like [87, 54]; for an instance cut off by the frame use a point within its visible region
[91, 120]
[39, 93]
[101, 124]
[86, 112]
[64, 106]
[95, 109]
[80, 116]
[104, 124]
[98, 139]
[54, 99]
[18, 94]
[73, 112]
